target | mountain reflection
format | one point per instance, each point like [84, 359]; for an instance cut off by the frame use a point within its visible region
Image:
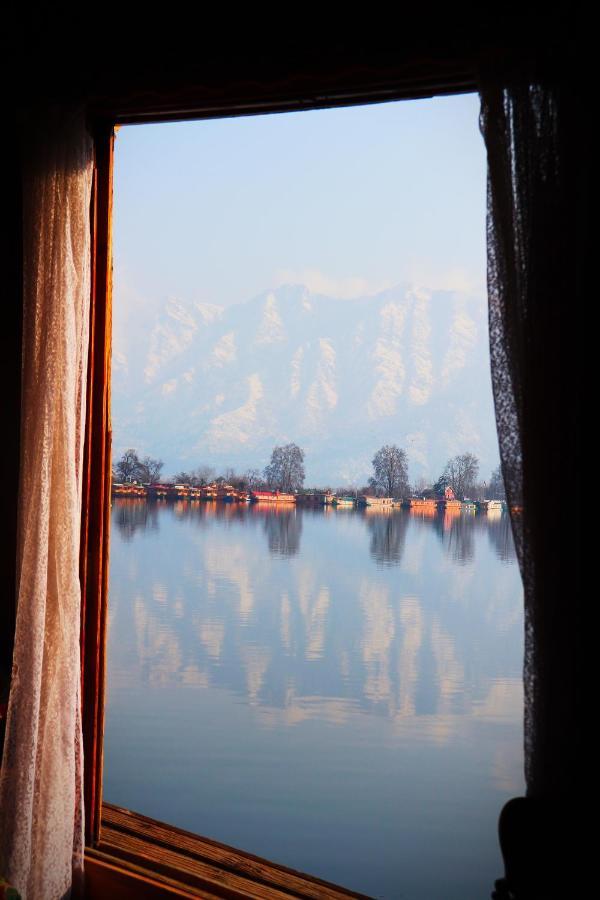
[320, 627]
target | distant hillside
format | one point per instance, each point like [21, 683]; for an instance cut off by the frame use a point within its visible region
[195, 383]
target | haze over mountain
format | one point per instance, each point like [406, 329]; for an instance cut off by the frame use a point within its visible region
[195, 383]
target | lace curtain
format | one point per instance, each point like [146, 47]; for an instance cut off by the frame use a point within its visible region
[41, 821]
[536, 169]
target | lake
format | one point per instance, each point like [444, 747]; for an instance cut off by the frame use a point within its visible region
[338, 691]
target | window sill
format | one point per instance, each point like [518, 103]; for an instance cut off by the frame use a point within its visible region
[141, 857]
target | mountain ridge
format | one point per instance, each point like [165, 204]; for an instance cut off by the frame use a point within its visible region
[199, 383]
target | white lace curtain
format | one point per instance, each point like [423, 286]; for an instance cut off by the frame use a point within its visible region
[41, 815]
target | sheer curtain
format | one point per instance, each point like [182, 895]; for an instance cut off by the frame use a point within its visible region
[536, 170]
[41, 831]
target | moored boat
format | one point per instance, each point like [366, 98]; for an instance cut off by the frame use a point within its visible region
[271, 497]
[344, 502]
[420, 504]
[449, 505]
[490, 506]
[375, 502]
[129, 490]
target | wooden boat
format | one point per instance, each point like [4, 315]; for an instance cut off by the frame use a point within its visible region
[158, 491]
[375, 502]
[490, 506]
[449, 505]
[271, 497]
[420, 504]
[344, 502]
[129, 490]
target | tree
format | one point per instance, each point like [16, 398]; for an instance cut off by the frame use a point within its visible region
[285, 472]
[202, 475]
[149, 470]
[197, 477]
[496, 489]
[390, 468]
[461, 474]
[421, 487]
[127, 468]
[131, 468]
[254, 479]
[440, 485]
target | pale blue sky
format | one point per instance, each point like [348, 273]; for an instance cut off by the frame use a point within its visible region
[346, 200]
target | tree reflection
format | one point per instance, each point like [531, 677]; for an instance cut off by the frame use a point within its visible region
[134, 515]
[388, 532]
[501, 538]
[283, 529]
[456, 532]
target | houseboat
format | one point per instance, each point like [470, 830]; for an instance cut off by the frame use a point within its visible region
[344, 502]
[420, 504]
[271, 497]
[129, 490]
[226, 493]
[490, 506]
[179, 492]
[158, 491]
[449, 505]
[375, 502]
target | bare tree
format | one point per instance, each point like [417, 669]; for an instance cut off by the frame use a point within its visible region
[197, 477]
[390, 470]
[496, 489]
[127, 467]
[239, 482]
[202, 475]
[285, 472]
[254, 479]
[149, 470]
[421, 486]
[461, 474]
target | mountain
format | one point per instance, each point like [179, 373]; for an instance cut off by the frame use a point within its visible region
[199, 384]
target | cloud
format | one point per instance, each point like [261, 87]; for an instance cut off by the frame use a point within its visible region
[457, 278]
[346, 288]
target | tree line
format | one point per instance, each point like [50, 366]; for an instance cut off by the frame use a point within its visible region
[285, 473]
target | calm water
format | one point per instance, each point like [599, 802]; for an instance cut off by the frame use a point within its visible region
[337, 691]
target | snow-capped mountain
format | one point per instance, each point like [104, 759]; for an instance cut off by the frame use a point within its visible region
[201, 384]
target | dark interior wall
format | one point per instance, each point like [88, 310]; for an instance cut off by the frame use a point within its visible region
[131, 55]
[10, 382]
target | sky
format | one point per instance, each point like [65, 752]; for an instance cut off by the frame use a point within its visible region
[347, 201]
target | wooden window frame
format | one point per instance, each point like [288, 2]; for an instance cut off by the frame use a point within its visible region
[125, 852]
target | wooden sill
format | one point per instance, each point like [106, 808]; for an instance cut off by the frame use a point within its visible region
[151, 859]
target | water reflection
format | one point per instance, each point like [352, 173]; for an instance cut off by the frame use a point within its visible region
[499, 532]
[283, 529]
[207, 607]
[455, 530]
[373, 659]
[130, 516]
[387, 536]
